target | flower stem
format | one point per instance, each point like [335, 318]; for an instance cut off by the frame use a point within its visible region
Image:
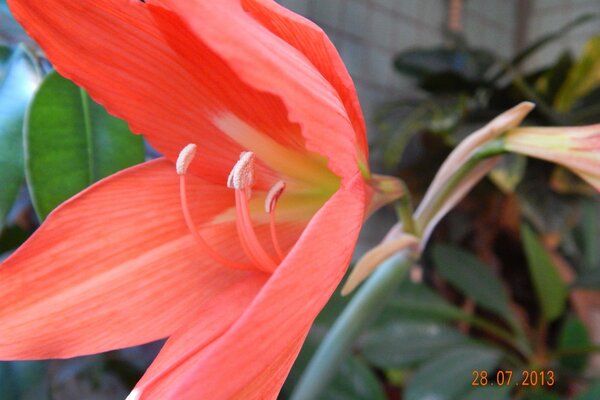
[362, 308]
[404, 210]
[491, 149]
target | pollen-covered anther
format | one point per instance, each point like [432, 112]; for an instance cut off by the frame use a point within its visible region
[242, 174]
[274, 194]
[186, 156]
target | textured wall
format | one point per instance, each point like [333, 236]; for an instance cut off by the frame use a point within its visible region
[548, 15]
[368, 33]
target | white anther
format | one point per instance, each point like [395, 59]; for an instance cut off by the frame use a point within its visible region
[185, 158]
[274, 194]
[242, 174]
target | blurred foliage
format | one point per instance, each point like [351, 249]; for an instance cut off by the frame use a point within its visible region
[504, 279]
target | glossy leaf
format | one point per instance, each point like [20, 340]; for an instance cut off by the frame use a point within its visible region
[549, 38]
[71, 143]
[574, 335]
[20, 82]
[473, 278]
[417, 301]
[449, 376]
[402, 343]
[355, 381]
[488, 393]
[539, 394]
[550, 289]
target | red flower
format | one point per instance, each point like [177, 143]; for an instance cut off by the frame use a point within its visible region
[237, 288]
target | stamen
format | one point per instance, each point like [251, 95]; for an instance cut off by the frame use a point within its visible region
[270, 204]
[183, 161]
[241, 179]
[242, 174]
[185, 158]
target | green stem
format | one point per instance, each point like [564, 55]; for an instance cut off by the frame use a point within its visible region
[491, 149]
[404, 210]
[362, 308]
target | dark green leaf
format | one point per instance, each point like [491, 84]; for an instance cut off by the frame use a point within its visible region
[403, 343]
[19, 84]
[449, 376]
[466, 64]
[420, 302]
[473, 278]
[540, 394]
[489, 393]
[588, 279]
[12, 237]
[8, 382]
[574, 335]
[549, 287]
[592, 393]
[549, 38]
[354, 382]
[71, 143]
[553, 79]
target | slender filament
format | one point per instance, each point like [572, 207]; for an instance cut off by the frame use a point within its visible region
[203, 245]
[250, 243]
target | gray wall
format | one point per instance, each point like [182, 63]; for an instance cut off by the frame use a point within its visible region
[368, 33]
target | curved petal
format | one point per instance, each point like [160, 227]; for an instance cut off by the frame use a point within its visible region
[311, 41]
[175, 357]
[267, 63]
[113, 267]
[576, 148]
[252, 358]
[147, 66]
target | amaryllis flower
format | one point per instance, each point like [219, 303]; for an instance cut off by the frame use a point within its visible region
[231, 256]
[577, 148]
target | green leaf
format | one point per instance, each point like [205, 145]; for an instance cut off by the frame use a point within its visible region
[540, 394]
[550, 289]
[583, 77]
[17, 88]
[420, 302]
[355, 381]
[72, 142]
[402, 343]
[548, 39]
[449, 376]
[574, 335]
[488, 393]
[593, 393]
[473, 278]
[8, 382]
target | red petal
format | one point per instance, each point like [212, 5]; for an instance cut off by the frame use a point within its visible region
[178, 84]
[217, 316]
[252, 358]
[113, 267]
[310, 39]
[224, 37]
